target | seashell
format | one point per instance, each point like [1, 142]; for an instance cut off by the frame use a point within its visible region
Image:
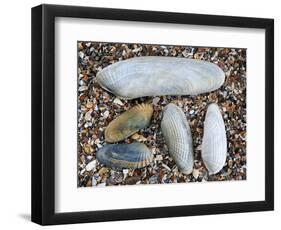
[156, 76]
[214, 146]
[135, 155]
[129, 123]
[177, 135]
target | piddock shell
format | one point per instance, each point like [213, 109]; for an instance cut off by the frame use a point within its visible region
[128, 123]
[156, 76]
[135, 155]
[177, 135]
[214, 144]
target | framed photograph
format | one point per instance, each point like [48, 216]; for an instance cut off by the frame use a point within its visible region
[143, 114]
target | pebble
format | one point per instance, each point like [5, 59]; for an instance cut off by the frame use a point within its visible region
[125, 173]
[88, 115]
[135, 136]
[105, 114]
[153, 180]
[195, 173]
[199, 148]
[166, 167]
[99, 146]
[81, 55]
[83, 88]
[159, 157]
[88, 148]
[155, 100]
[103, 171]
[89, 105]
[141, 138]
[94, 181]
[90, 166]
[117, 101]
[132, 180]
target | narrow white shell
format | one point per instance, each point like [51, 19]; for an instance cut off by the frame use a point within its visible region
[156, 76]
[177, 135]
[214, 145]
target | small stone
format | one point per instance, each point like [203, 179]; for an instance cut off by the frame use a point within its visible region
[141, 138]
[125, 171]
[88, 115]
[99, 146]
[166, 167]
[199, 147]
[191, 112]
[88, 148]
[103, 171]
[90, 166]
[117, 101]
[155, 100]
[132, 180]
[94, 181]
[81, 54]
[89, 105]
[115, 179]
[159, 157]
[135, 136]
[89, 157]
[195, 173]
[82, 88]
[97, 141]
[81, 82]
[82, 171]
[105, 114]
[153, 180]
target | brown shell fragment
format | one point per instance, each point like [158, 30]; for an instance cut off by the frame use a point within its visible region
[129, 123]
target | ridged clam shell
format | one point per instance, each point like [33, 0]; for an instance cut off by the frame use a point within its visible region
[156, 76]
[177, 135]
[128, 123]
[214, 145]
[135, 155]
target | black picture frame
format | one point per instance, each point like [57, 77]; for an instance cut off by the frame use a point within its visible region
[43, 114]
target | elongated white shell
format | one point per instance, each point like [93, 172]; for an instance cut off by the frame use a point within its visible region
[177, 135]
[214, 146]
[156, 76]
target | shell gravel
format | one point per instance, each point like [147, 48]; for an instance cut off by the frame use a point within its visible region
[96, 108]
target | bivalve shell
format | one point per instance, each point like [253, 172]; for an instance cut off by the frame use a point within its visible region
[128, 123]
[177, 135]
[119, 156]
[214, 144]
[156, 76]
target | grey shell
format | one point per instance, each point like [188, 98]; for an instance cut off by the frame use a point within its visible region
[178, 137]
[118, 156]
[157, 76]
[214, 143]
